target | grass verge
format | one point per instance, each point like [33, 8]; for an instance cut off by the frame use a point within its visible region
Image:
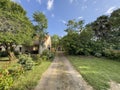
[98, 72]
[29, 79]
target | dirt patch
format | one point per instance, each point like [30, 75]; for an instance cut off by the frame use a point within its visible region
[62, 76]
[114, 86]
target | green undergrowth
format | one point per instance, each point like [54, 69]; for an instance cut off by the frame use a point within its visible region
[29, 79]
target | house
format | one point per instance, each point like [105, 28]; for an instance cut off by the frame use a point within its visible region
[37, 48]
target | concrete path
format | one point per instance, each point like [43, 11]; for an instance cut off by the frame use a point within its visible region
[62, 76]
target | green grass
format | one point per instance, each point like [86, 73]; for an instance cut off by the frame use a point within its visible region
[4, 62]
[4, 58]
[29, 79]
[98, 72]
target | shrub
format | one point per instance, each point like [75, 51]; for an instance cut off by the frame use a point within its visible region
[6, 80]
[26, 62]
[112, 54]
[15, 70]
[98, 54]
[37, 59]
[48, 55]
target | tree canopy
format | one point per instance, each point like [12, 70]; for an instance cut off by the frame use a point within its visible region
[15, 27]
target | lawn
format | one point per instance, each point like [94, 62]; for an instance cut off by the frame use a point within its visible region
[98, 72]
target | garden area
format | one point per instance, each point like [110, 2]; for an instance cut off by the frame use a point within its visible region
[25, 72]
[21, 70]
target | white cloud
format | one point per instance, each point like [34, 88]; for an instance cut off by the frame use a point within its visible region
[17, 1]
[84, 7]
[50, 4]
[110, 10]
[63, 21]
[39, 1]
[80, 17]
[52, 15]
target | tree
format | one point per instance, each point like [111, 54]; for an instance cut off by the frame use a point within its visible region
[41, 26]
[74, 26]
[115, 30]
[15, 28]
[101, 27]
[55, 41]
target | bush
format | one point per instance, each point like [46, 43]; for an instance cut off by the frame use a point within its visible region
[98, 54]
[48, 55]
[37, 59]
[26, 62]
[112, 54]
[15, 70]
[6, 80]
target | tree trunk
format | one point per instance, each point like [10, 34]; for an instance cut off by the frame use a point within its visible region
[40, 49]
[11, 56]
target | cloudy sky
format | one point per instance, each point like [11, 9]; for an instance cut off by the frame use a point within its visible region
[58, 12]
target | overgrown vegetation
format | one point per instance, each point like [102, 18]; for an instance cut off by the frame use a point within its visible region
[25, 69]
[99, 38]
[98, 72]
[29, 79]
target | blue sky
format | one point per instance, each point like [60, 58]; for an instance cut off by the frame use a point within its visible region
[58, 12]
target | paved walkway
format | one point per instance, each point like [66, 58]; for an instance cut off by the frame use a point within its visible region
[62, 76]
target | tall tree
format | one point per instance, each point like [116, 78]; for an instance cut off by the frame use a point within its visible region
[101, 27]
[115, 32]
[15, 28]
[41, 26]
[74, 26]
[55, 41]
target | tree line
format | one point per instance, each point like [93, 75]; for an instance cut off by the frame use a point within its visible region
[100, 37]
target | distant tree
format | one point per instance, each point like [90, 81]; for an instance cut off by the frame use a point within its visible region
[74, 26]
[15, 28]
[40, 27]
[55, 41]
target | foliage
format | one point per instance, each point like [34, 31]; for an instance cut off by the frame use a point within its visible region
[29, 80]
[94, 38]
[15, 70]
[26, 61]
[98, 54]
[6, 80]
[75, 43]
[55, 41]
[41, 26]
[37, 59]
[74, 26]
[101, 27]
[48, 55]
[15, 27]
[112, 54]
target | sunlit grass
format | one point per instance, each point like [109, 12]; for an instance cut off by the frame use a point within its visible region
[98, 72]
